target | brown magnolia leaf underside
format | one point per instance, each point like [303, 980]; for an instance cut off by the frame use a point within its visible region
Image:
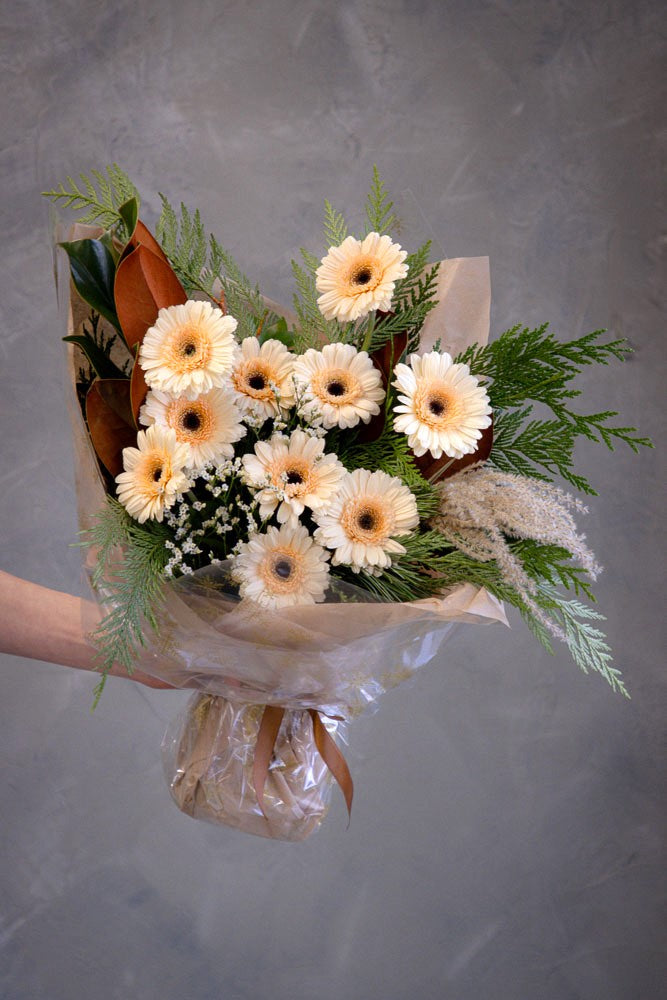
[110, 422]
[145, 283]
[435, 469]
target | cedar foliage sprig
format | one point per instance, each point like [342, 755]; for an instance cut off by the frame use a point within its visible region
[414, 298]
[524, 367]
[99, 195]
[391, 454]
[587, 645]
[129, 574]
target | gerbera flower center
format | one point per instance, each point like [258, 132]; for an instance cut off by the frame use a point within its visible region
[367, 520]
[336, 386]
[363, 276]
[156, 471]
[193, 421]
[434, 405]
[291, 475]
[282, 571]
[254, 378]
[190, 349]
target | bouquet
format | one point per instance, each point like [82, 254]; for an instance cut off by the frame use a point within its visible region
[288, 510]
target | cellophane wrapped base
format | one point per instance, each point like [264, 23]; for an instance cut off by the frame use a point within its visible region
[208, 755]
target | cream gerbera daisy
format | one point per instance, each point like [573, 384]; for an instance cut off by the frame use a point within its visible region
[282, 567]
[357, 277]
[340, 383]
[262, 377]
[208, 426]
[189, 350]
[292, 474]
[153, 475]
[442, 407]
[362, 522]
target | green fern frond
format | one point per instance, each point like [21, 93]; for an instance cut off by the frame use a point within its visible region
[130, 577]
[98, 197]
[200, 261]
[380, 217]
[313, 329]
[335, 227]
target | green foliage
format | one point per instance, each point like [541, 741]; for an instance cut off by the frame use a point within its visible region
[99, 197]
[380, 217]
[414, 298]
[552, 563]
[313, 329]
[129, 574]
[587, 644]
[335, 227]
[199, 261]
[93, 270]
[524, 367]
[391, 454]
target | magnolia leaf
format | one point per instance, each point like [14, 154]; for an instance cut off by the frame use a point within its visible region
[100, 362]
[279, 331]
[138, 390]
[385, 358]
[93, 270]
[145, 283]
[140, 235]
[129, 213]
[110, 421]
[434, 469]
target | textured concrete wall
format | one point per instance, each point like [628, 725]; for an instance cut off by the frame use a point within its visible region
[505, 838]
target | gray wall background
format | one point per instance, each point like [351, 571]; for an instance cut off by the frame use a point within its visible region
[505, 841]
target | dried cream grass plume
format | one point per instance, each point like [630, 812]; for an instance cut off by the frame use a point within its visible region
[153, 475]
[361, 524]
[262, 377]
[358, 277]
[282, 568]
[292, 474]
[340, 383]
[442, 407]
[208, 426]
[189, 350]
[480, 507]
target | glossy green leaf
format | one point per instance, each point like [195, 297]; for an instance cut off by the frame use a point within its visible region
[279, 331]
[101, 363]
[129, 213]
[93, 272]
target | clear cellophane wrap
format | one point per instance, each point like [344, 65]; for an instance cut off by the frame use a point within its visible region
[208, 755]
[334, 658]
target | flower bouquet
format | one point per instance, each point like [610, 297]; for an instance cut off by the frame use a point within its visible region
[288, 510]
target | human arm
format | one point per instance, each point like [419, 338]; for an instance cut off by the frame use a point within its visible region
[44, 624]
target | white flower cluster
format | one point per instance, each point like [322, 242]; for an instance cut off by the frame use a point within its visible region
[207, 392]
